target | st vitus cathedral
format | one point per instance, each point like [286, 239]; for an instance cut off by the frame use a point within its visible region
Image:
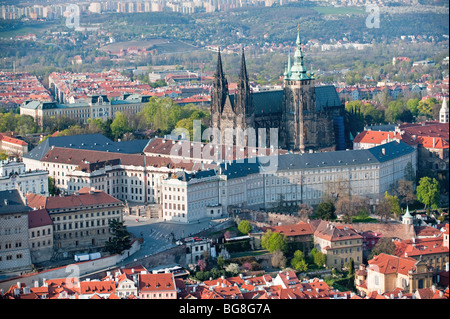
[308, 117]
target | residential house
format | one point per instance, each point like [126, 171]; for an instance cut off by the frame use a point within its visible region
[299, 236]
[157, 286]
[339, 243]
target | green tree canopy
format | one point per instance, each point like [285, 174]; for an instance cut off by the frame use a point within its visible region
[120, 240]
[393, 203]
[319, 258]
[274, 241]
[245, 227]
[384, 245]
[298, 261]
[326, 210]
[120, 125]
[428, 192]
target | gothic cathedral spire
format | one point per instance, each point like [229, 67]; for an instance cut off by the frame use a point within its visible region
[243, 102]
[220, 87]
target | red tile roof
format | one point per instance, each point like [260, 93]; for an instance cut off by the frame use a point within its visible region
[156, 282]
[330, 232]
[39, 218]
[84, 198]
[388, 264]
[300, 229]
[84, 157]
[421, 246]
[99, 287]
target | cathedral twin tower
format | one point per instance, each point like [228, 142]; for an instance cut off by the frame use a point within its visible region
[307, 117]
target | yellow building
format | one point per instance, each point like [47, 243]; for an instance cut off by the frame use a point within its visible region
[386, 273]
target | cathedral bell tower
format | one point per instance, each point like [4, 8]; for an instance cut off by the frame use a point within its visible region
[298, 103]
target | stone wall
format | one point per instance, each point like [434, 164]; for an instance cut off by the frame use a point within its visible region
[71, 270]
[175, 255]
[262, 219]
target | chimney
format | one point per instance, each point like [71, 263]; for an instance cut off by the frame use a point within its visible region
[434, 142]
[433, 288]
[383, 151]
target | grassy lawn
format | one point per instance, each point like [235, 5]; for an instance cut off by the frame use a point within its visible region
[339, 11]
[36, 29]
[359, 219]
[249, 253]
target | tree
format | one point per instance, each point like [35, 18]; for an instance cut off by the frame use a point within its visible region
[220, 261]
[298, 261]
[428, 192]
[201, 263]
[425, 107]
[245, 227]
[121, 238]
[274, 241]
[383, 210]
[351, 268]
[319, 258]
[232, 268]
[278, 259]
[394, 204]
[120, 125]
[384, 245]
[404, 190]
[326, 210]
[52, 189]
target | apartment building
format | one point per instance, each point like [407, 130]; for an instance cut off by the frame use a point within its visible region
[14, 245]
[16, 87]
[81, 220]
[157, 286]
[211, 193]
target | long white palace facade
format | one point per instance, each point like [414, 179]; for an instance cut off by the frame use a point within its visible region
[191, 189]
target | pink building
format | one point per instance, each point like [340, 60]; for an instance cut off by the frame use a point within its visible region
[157, 286]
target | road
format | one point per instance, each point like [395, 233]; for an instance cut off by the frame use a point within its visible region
[158, 236]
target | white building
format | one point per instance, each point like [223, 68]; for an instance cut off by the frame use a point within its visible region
[14, 175]
[293, 179]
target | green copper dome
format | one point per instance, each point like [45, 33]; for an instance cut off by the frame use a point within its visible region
[297, 71]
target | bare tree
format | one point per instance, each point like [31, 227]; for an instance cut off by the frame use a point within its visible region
[404, 190]
[278, 259]
[384, 210]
